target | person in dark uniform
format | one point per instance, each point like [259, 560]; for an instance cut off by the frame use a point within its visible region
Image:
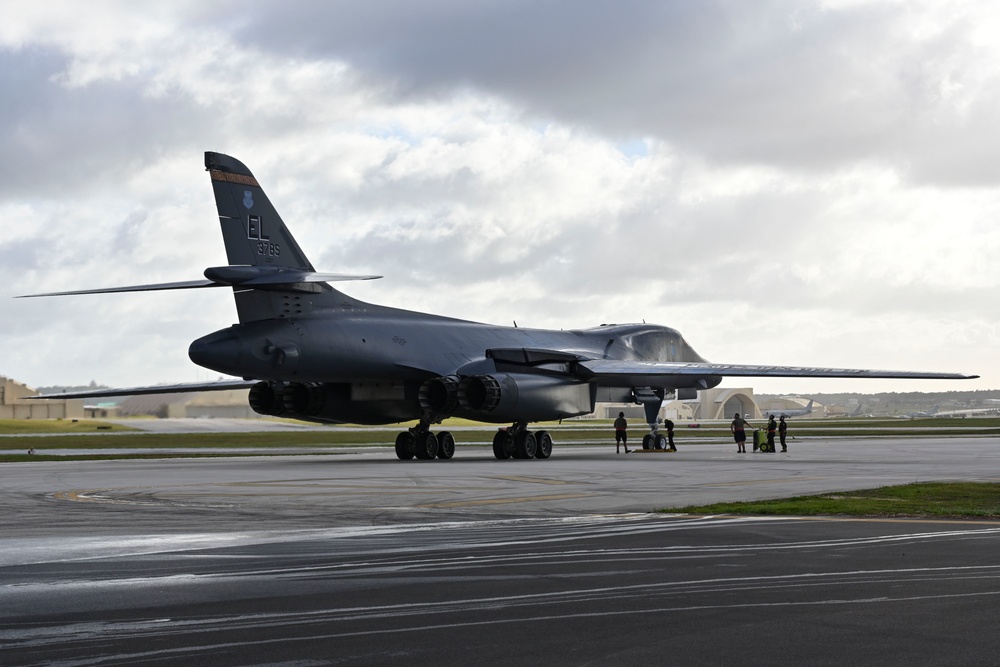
[738, 427]
[772, 426]
[621, 434]
[782, 429]
[669, 425]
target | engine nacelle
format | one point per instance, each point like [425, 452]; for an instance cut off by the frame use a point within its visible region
[340, 402]
[510, 397]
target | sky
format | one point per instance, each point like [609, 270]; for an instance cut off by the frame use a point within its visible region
[785, 182]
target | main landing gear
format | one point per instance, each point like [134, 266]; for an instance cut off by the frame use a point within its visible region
[513, 442]
[654, 439]
[520, 443]
[421, 443]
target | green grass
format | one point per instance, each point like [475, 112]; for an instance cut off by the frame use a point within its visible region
[50, 426]
[83, 435]
[930, 499]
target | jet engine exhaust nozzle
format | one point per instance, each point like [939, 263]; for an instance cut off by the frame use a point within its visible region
[440, 395]
[266, 399]
[480, 393]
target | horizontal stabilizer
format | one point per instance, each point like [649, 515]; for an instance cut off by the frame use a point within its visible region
[187, 284]
[260, 276]
[227, 276]
[219, 385]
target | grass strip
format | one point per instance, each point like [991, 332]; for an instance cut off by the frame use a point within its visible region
[979, 500]
[58, 426]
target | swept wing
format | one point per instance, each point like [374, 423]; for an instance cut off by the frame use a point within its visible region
[648, 372]
[218, 385]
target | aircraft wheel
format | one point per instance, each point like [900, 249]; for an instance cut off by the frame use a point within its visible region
[647, 441]
[544, 445]
[446, 445]
[525, 446]
[661, 442]
[427, 446]
[502, 445]
[405, 444]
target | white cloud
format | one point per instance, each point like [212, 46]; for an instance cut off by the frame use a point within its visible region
[797, 184]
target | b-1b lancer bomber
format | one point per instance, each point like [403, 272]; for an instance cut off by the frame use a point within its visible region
[308, 351]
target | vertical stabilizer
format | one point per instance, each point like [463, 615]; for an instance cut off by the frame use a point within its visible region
[253, 231]
[255, 235]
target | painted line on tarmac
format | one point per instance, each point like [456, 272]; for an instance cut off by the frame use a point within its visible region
[532, 480]
[505, 501]
[781, 480]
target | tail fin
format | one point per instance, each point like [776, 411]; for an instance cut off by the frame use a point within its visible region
[252, 230]
[267, 269]
[270, 275]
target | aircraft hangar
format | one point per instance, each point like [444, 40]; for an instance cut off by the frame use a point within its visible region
[15, 405]
[718, 403]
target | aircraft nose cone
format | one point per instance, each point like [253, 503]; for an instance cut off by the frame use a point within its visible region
[219, 351]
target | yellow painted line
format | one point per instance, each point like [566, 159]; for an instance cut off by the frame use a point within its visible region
[531, 480]
[79, 496]
[504, 501]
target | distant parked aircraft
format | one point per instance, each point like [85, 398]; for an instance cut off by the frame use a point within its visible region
[926, 413]
[791, 412]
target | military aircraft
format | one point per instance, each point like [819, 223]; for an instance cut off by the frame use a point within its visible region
[308, 351]
[922, 413]
[792, 412]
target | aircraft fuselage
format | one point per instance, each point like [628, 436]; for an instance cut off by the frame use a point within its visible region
[375, 364]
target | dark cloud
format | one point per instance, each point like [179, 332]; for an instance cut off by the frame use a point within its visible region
[58, 139]
[782, 83]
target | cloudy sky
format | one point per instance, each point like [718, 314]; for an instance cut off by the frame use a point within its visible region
[785, 182]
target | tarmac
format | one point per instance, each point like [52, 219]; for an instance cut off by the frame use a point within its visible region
[360, 558]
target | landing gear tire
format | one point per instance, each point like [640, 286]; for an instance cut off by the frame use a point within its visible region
[405, 445]
[544, 445]
[427, 446]
[502, 445]
[647, 441]
[446, 445]
[525, 446]
[661, 442]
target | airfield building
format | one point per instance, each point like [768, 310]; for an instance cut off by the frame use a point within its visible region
[14, 404]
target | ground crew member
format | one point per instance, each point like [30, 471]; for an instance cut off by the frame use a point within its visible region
[772, 426]
[621, 436]
[738, 427]
[669, 425]
[782, 429]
